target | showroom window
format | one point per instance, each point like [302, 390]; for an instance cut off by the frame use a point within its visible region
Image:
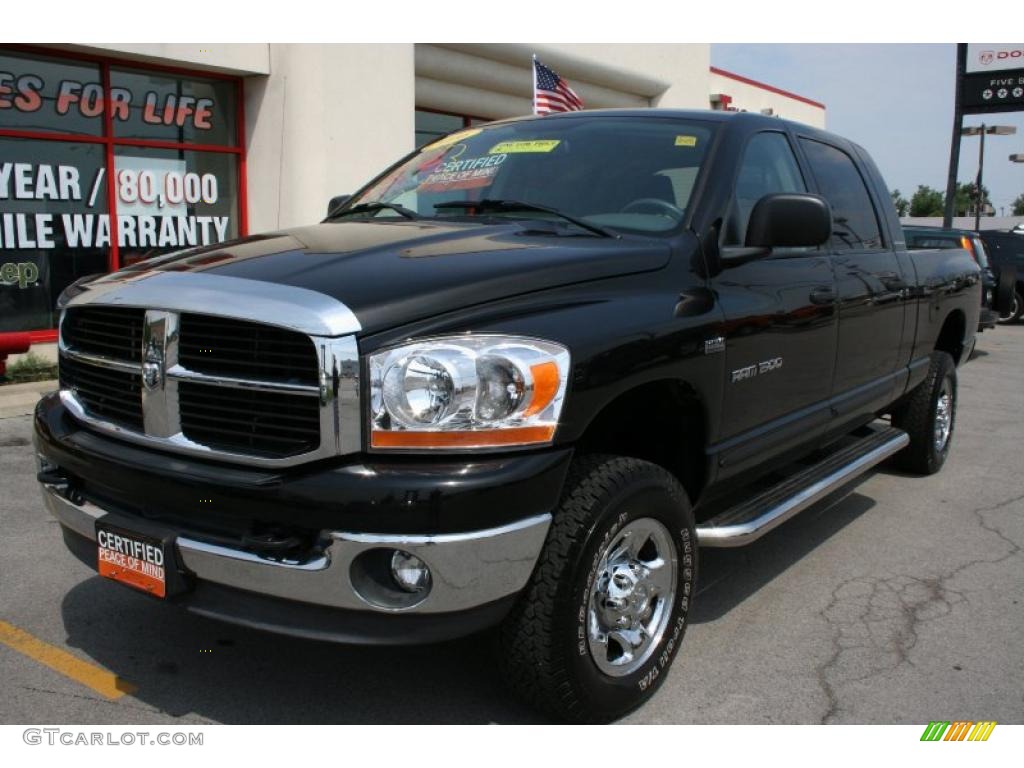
[163, 148]
[431, 125]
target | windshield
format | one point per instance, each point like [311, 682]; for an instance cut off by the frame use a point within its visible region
[629, 174]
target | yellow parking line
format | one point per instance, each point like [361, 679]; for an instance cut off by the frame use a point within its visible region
[100, 680]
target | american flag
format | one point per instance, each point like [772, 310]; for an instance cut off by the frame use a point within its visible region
[551, 93]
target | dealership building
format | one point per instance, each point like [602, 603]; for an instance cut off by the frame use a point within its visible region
[194, 145]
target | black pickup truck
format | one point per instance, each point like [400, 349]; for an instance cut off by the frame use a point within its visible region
[1006, 252]
[516, 382]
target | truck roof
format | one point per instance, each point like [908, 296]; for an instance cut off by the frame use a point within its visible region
[708, 115]
[748, 121]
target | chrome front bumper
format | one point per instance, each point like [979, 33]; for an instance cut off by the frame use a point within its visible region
[468, 569]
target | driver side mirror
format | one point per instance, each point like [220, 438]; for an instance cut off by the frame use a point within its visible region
[337, 202]
[784, 220]
[789, 220]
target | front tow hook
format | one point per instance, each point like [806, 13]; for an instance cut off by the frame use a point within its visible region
[60, 482]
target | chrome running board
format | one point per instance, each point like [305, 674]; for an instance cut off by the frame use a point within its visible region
[753, 518]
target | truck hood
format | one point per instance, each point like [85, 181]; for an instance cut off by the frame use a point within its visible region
[392, 273]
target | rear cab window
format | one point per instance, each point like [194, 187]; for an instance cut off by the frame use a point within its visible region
[916, 241]
[855, 224]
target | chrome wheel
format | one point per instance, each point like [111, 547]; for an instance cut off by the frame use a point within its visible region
[943, 417]
[630, 597]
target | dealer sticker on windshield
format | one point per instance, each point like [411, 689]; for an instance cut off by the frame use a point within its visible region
[686, 141]
[468, 173]
[135, 560]
[454, 138]
[514, 147]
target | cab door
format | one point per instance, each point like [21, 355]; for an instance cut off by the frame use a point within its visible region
[780, 322]
[871, 289]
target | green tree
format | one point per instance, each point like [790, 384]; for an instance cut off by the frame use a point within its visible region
[926, 202]
[901, 203]
[966, 199]
[1018, 205]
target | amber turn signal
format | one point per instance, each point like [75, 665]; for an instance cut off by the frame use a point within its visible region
[480, 438]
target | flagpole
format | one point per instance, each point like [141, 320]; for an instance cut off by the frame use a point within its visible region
[533, 66]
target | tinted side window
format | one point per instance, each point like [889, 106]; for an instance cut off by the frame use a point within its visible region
[854, 222]
[918, 242]
[768, 167]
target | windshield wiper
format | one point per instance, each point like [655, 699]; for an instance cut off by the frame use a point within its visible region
[374, 208]
[501, 206]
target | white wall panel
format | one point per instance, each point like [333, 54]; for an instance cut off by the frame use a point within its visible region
[497, 80]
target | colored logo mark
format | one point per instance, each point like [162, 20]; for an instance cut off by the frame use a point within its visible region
[958, 730]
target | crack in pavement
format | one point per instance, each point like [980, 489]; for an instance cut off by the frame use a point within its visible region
[875, 621]
[979, 513]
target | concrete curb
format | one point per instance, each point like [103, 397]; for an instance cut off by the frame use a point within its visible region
[21, 399]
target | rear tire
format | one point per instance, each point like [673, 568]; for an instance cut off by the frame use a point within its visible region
[929, 418]
[596, 629]
[1016, 311]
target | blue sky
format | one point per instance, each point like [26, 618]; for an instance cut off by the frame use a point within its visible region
[894, 100]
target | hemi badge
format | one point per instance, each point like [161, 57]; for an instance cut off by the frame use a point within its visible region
[715, 344]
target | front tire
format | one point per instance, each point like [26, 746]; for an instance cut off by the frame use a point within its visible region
[929, 417]
[596, 629]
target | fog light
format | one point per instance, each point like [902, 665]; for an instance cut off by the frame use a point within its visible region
[409, 572]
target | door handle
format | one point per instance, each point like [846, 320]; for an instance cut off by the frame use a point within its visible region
[893, 283]
[823, 295]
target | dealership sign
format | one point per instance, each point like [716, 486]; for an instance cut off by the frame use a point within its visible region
[153, 197]
[998, 92]
[105, 164]
[987, 57]
[989, 79]
[993, 78]
[25, 92]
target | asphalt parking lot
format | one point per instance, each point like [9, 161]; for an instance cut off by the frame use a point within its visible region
[901, 600]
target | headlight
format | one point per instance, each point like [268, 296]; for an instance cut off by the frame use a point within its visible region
[467, 392]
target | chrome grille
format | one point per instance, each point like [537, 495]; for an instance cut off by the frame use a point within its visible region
[109, 331]
[245, 420]
[248, 421]
[226, 388]
[221, 346]
[111, 394]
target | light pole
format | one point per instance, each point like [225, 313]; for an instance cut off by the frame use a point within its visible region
[981, 130]
[1017, 157]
